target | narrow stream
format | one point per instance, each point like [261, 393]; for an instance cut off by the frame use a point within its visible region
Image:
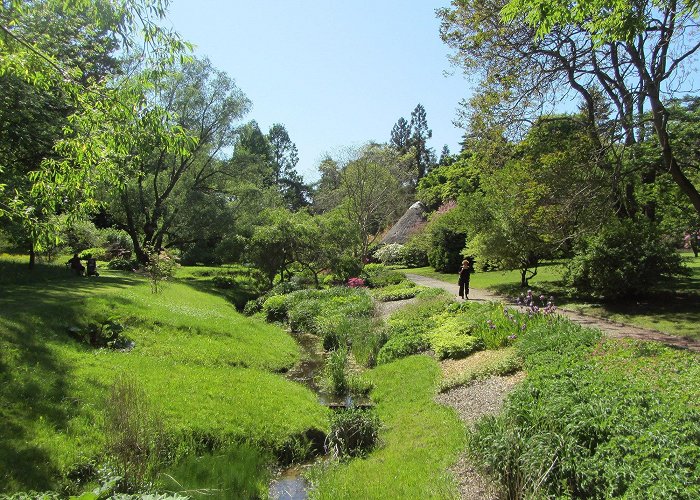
[289, 483]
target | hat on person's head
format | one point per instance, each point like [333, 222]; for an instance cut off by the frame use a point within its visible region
[465, 262]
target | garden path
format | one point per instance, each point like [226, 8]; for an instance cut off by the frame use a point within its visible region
[483, 397]
[610, 328]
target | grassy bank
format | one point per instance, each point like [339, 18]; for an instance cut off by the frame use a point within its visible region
[419, 440]
[208, 371]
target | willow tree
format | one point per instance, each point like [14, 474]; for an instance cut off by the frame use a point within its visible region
[203, 105]
[57, 67]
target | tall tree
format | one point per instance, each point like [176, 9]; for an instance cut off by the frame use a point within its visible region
[371, 194]
[445, 156]
[541, 199]
[205, 103]
[526, 51]
[401, 136]
[57, 57]
[284, 155]
[284, 159]
[420, 133]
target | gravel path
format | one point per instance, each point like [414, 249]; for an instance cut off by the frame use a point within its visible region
[610, 328]
[483, 397]
[386, 309]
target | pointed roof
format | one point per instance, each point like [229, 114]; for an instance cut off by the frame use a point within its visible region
[410, 222]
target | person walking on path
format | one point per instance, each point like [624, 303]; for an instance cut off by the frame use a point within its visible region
[463, 282]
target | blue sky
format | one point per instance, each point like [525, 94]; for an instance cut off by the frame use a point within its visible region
[335, 73]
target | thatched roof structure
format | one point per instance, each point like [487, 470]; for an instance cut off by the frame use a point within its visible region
[409, 223]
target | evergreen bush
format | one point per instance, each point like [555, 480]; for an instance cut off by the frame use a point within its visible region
[626, 259]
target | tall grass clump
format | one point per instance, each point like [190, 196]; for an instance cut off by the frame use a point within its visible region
[238, 471]
[135, 436]
[354, 433]
[596, 419]
[335, 372]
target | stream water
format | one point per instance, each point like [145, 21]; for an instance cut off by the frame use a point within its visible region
[289, 483]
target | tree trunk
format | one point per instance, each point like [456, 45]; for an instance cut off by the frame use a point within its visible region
[670, 164]
[32, 255]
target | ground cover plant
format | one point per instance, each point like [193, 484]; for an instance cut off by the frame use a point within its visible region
[209, 373]
[596, 419]
[480, 365]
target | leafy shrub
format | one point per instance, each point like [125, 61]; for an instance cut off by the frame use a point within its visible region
[354, 432]
[98, 253]
[400, 346]
[303, 316]
[452, 339]
[345, 267]
[390, 254]
[413, 256]
[625, 259]
[117, 243]
[253, 306]
[81, 235]
[275, 308]
[449, 345]
[379, 276]
[122, 265]
[104, 333]
[404, 290]
[447, 240]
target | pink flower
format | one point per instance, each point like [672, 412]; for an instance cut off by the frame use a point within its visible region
[356, 282]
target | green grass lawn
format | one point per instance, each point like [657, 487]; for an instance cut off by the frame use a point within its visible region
[420, 439]
[674, 307]
[207, 370]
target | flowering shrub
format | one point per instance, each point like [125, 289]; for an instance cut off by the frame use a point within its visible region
[356, 282]
[390, 254]
[161, 267]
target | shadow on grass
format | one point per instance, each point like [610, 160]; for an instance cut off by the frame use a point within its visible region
[36, 307]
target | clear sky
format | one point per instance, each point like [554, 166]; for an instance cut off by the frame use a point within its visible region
[335, 73]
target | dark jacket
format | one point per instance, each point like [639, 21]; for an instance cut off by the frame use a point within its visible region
[464, 276]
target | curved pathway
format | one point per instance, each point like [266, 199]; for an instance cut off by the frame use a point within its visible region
[610, 328]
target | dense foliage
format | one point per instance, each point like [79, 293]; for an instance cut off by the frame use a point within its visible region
[596, 419]
[625, 259]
